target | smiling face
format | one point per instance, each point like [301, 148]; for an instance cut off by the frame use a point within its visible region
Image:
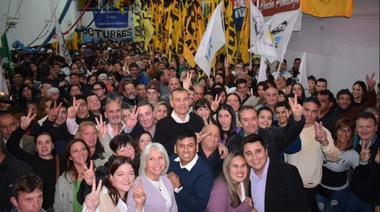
[113, 113]
[89, 135]
[357, 91]
[248, 121]
[238, 169]
[310, 112]
[160, 112]
[365, 128]
[144, 140]
[256, 156]
[180, 102]
[44, 146]
[145, 116]
[344, 101]
[186, 149]
[204, 113]
[265, 119]
[126, 151]
[123, 178]
[155, 164]
[78, 153]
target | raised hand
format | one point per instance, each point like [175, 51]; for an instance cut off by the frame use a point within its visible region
[88, 173]
[370, 82]
[53, 113]
[102, 126]
[365, 153]
[131, 121]
[223, 150]
[320, 134]
[139, 194]
[92, 199]
[201, 135]
[377, 157]
[215, 103]
[186, 84]
[26, 120]
[296, 108]
[73, 110]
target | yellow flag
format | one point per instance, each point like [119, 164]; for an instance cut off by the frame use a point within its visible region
[231, 36]
[328, 8]
[120, 5]
[244, 36]
[75, 41]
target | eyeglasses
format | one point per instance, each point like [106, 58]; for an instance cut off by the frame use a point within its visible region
[344, 130]
[97, 89]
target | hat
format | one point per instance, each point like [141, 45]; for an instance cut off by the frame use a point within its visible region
[154, 85]
[109, 49]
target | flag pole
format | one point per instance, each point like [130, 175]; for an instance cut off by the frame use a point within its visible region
[224, 29]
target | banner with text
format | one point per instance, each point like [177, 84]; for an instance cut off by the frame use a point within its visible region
[111, 24]
[271, 7]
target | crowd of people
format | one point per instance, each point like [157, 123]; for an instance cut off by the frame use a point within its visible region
[120, 129]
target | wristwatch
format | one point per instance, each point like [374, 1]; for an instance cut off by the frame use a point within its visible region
[177, 190]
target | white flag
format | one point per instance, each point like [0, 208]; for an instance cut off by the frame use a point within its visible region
[260, 39]
[3, 83]
[63, 51]
[302, 77]
[281, 26]
[262, 71]
[212, 40]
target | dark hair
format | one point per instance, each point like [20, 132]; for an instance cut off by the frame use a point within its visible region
[101, 84]
[364, 88]
[272, 82]
[143, 103]
[22, 87]
[185, 134]
[121, 140]
[366, 115]
[313, 100]
[27, 184]
[327, 93]
[241, 81]
[246, 107]
[265, 108]
[344, 91]
[204, 103]
[311, 78]
[70, 168]
[302, 97]
[322, 80]
[282, 104]
[112, 191]
[232, 130]
[134, 65]
[137, 140]
[252, 139]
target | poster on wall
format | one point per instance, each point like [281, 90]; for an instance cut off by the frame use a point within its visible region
[110, 24]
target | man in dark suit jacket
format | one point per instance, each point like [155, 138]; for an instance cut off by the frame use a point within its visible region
[274, 186]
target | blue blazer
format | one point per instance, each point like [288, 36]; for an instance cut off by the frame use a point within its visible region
[154, 200]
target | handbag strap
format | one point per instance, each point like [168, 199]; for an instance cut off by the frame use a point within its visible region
[57, 167]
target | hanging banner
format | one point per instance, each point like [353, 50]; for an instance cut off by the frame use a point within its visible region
[271, 7]
[111, 24]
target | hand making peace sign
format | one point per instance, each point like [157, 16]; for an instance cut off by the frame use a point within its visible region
[92, 199]
[88, 173]
[296, 108]
[365, 153]
[370, 82]
[215, 103]
[26, 120]
[102, 126]
[139, 194]
[53, 113]
[320, 134]
[131, 121]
